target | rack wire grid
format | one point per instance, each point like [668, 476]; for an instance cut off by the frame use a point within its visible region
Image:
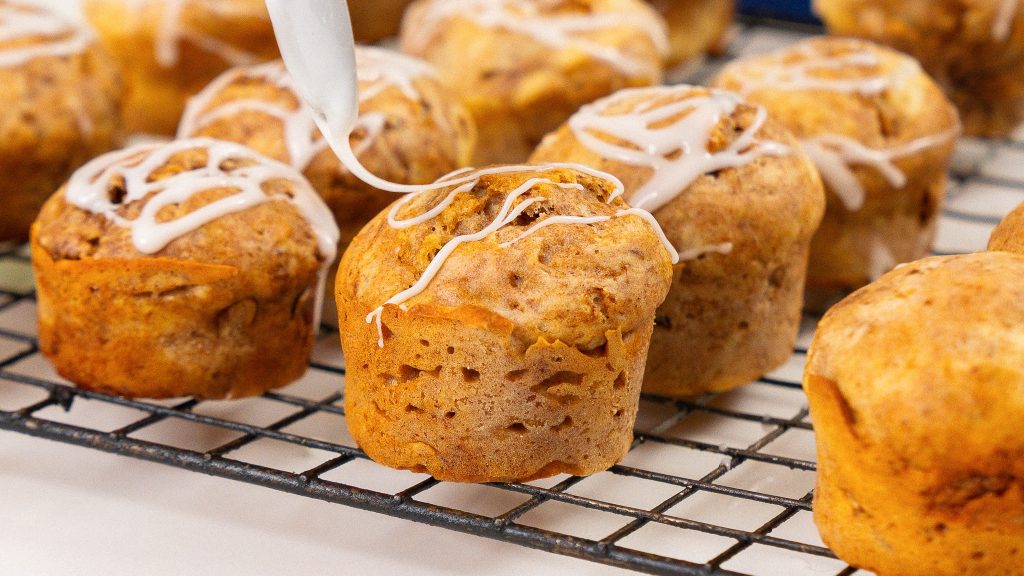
[719, 485]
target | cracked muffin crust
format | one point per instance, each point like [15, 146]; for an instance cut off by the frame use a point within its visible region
[523, 67]
[523, 354]
[182, 269]
[974, 48]
[60, 97]
[916, 387]
[739, 202]
[881, 133]
[169, 50]
[410, 130]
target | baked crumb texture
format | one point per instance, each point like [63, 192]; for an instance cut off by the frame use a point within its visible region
[61, 96]
[169, 50]
[523, 67]
[916, 387]
[892, 132]
[730, 317]
[515, 362]
[1009, 235]
[224, 311]
[974, 48]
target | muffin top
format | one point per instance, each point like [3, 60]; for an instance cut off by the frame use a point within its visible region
[199, 200]
[928, 362]
[552, 249]
[1009, 235]
[28, 33]
[628, 35]
[855, 106]
[409, 129]
[697, 156]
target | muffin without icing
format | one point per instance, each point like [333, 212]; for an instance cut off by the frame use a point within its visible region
[524, 66]
[150, 286]
[169, 50]
[696, 27]
[742, 221]
[1009, 235]
[916, 387]
[60, 98]
[514, 362]
[881, 133]
[410, 130]
[974, 48]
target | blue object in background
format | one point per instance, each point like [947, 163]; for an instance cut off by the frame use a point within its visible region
[796, 10]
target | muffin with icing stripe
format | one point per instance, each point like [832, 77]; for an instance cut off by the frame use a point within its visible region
[881, 133]
[170, 49]
[973, 48]
[523, 67]
[409, 131]
[60, 99]
[495, 326]
[740, 203]
[184, 269]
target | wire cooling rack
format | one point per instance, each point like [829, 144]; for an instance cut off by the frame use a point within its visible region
[720, 485]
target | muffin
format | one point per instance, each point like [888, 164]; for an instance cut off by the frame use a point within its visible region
[374, 20]
[410, 130]
[523, 67]
[182, 269]
[882, 134]
[495, 327]
[696, 27]
[974, 48]
[170, 49]
[916, 387]
[60, 97]
[740, 203]
[1009, 235]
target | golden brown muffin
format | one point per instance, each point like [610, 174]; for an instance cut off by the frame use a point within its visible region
[511, 335]
[410, 130]
[524, 66]
[740, 203]
[170, 49]
[373, 20]
[185, 269]
[974, 48]
[696, 27]
[881, 133]
[60, 98]
[916, 386]
[1009, 235]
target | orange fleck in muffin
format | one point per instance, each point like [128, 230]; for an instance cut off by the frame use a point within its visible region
[523, 67]
[184, 269]
[495, 328]
[916, 386]
[60, 99]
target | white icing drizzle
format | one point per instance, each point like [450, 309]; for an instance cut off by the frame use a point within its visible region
[317, 34]
[835, 155]
[21, 23]
[1006, 13]
[87, 190]
[724, 248]
[678, 152]
[799, 69]
[559, 31]
[171, 32]
[378, 70]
